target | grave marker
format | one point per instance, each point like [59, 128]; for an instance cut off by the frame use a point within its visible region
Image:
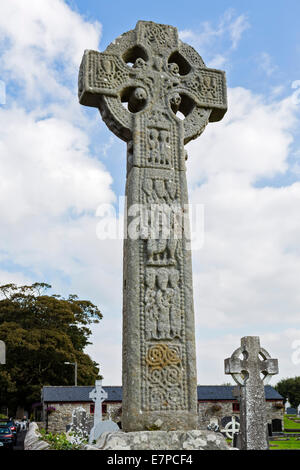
[251, 367]
[98, 395]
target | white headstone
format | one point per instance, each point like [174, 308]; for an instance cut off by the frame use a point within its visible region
[287, 405]
[2, 353]
[298, 410]
[98, 395]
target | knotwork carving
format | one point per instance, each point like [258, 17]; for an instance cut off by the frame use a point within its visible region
[161, 355]
[157, 36]
[164, 383]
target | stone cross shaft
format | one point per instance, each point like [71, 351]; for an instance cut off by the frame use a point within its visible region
[98, 395]
[251, 367]
[2, 352]
[141, 83]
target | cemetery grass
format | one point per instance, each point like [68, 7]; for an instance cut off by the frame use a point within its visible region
[287, 445]
[289, 423]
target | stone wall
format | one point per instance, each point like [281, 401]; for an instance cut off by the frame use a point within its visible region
[207, 411]
[273, 412]
[59, 419]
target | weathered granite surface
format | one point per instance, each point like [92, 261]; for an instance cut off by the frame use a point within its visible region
[157, 76]
[162, 440]
[32, 439]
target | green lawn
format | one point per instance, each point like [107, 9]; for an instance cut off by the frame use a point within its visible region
[291, 444]
[289, 424]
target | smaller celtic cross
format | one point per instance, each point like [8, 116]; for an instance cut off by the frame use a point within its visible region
[98, 395]
[2, 353]
[231, 428]
[251, 367]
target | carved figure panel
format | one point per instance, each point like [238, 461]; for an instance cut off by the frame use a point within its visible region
[160, 190]
[159, 150]
[163, 318]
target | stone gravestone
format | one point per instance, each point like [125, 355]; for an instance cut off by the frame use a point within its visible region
[2, 353]
[79, 429]
[140, 83]
[287, 405]
[98, 395]
[298, 411]
[251, 366]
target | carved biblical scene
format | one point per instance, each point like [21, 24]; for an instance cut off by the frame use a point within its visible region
[163, 318]
[163, 218]
[159, 149]
[160, 190]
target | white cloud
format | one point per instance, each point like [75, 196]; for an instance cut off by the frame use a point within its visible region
[47, 168]
[252, 140]
[212, 352]
[266, 64]
[246, 274]
[224, 36]
[51, 183]
[236, 27]
[109, 351]
[37, 36]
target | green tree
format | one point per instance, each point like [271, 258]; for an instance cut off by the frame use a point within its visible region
[290, 389]
[41, 332]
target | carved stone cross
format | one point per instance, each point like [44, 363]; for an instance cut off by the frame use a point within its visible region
[2, 352]
[251, 367]
[98, 395]
[141, 84]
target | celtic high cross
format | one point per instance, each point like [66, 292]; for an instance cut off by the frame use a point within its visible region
[140, 84]
[251, 367]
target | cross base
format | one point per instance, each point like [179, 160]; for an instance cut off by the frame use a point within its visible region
[101, 427]
[161, 440]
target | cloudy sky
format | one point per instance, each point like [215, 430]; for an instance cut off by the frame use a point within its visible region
[59, 163]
